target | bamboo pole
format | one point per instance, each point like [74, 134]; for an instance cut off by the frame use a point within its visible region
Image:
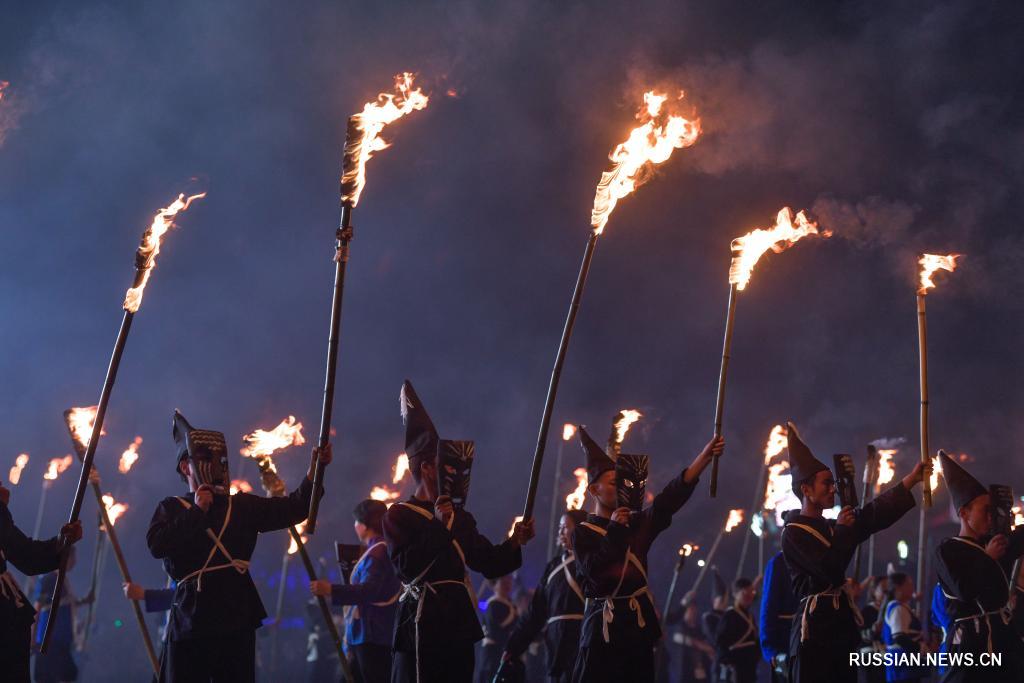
[707, 560]
[755, 504]
[869, 487]
[555, 492]
[926, 502]
[730, 317]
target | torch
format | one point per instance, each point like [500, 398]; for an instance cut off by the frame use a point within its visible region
[93, 581]
[884, 472]
[776, 444]
[684, 553]
[362, 140]
[869, 487]
[145, 260]
[649, 144]
[260, 446]
[623, 420]
[568, 431]
[735, 518]
[746, 252]
[14, 474]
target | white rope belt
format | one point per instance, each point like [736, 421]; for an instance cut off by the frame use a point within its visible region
[565, 617]
[608, 609]
[9, 589]
[1003, 613]
[417, 590]
[811, 604]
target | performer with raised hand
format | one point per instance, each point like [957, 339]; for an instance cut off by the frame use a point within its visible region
[556, 609]
[719, 603]
[205, 540]
[433, 542]
[620, 626]
[974, 568]
[736, 647]
[16, 612]
[818, 551]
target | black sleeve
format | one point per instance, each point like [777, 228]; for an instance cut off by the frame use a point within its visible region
[272, 514]
[806, 555]
[29, 556]
[532, 621]
[594, 552]
[969, 577]
[174, 528]
[882, 512]
[413, 545]
[730, 629]
[669, 501]
[483, 556]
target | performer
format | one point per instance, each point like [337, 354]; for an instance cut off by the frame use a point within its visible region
[778, 605]
[973, 572]
[871, 629]
[620, 626]
[939, 615]
[57, 664]
[696, 653]
[16, 613]
[500, 616]
[153, 599]
[817, 552]
[370, 597]
[205, 541]
[556, 609]
[719, 603]
[432, 544]
[736, 639]
[901, 631]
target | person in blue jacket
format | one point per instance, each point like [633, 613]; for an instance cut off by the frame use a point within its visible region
[940, 617]
[778, 606]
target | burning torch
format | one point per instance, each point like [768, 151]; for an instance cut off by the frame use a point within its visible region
[735, 518]
[776, 444]
[747, 250]
[870, 474]
[651, 143]
[684, 553]
[362, 140]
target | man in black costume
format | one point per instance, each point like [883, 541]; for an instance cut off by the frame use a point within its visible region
[736, 646]
[432, 544]
[16, 612]
[719, 602]
[620, 626]
[205, 540]
[817, 552]
[973, 569]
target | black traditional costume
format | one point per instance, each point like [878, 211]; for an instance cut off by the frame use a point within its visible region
[736, 648]
[500, 616]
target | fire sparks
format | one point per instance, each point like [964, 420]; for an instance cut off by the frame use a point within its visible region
[401, 468]
[384, 495]
[80, 422]
[14, 476]
[130, 456]
[262, 443]
[568, 431]
[574, 501]
[648, 144]
[688, 549]
[57, 467]
[239, 486]
[369, 123]
[930, 263]
[734, 520]
[293, 547]
[748, 249]
[885, 469]
[114, 509]
[776, 443]
[145, 257]
[512, 529]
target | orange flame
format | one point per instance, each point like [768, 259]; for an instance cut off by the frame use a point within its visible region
[688, 549]
[776, 443]
[386, 109]
[648, 144]
[1018, 517]
[574, 501]
[81, 422]
[778, 493]
[384, 495]
[114, 509]
[401, 468]
[748, 249]
[568, 431]
[130, 456]
[933, 481]
[3, 87]
[293, 547]
[57, 467]
[885, 469]
[929, 264]
[735, 518]
[625, 421]
[145, 258]
[512, 529]
[14, 476]
[239, 486]
[262, 443]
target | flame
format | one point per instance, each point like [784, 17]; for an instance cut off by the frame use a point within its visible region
[293, 547]
[574, 501]
[3, 87]
[14, 476]
[1018, 517]
[401, 468]
[512, 529]
[384, 495]
[625, 421]
[568, 431]
[748, 249]
[239, 486]
[145, 257]
[933, 481]
[114, 509]
[262, 444]
[885, 468]
[57, 467]
[735, 518]
[648, 144]
[776, 443]
[130, 455]
[81, 422]
[688, 549]
[386, 109]
[929, 264]
[778, 493]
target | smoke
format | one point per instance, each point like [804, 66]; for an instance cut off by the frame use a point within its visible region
[888, 443]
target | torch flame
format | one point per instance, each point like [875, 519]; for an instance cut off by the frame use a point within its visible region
[625, 421]
[293, 547]
[929, 264]
[262, 443]
[933, 481]
[3, 87]
[748, 249]
[574, 501]
[57, 467]
[885, 469]
[735, 518]
[778, 493]
[512, 529]
[688, 549]
[14, 476]
[648, 144]
[776, 443]
[384, 495]
[81, 422]
[386, 109]
[568, 431]
[1018, 517]
[239, 486]
[401, 468]
[114, 509]
[145, 257]
[130, 455]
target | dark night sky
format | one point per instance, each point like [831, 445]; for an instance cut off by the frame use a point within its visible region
[899, 124]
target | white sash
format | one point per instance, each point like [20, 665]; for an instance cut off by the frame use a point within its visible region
[608, 602]
[241, 566]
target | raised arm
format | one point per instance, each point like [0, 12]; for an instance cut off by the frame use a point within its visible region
[28, 555]
[272, 514]
[491, 560]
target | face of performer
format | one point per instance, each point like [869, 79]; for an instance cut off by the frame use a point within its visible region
[745, 598]
[904, 591]
[565, 527]
[428, 478]
[362, 532]
[977, 515]
[822, 491]
[503, 586]
[604, 490]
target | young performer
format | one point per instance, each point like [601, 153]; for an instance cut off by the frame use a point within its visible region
[778, 606]
[556, 608]
[736, 639]
[973, 571]
[432, 544]
[872, 617]
[371, 597]
[500, 616]
[620, 626]
[817, 552]
[901, 631]
[205, 540]
[719, 603]
[696, 653]
[57, 664]
[16, 613]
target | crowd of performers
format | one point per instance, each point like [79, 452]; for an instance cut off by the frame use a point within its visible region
[410, 610]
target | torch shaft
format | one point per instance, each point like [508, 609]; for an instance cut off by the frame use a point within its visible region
[730, 317]
[556, 374]
[90, 454]
[755, 504]
[97, 553]
[671, 592]
[554, 498]
[922, 349]
[707, 560]
[760, 545]
[869, 487]
[343, 237]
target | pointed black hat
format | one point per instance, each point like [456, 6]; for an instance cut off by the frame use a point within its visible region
[420, 435]
[598, 461]
[190, 440]
[802, 463]
[718, 587]
[963, 488]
